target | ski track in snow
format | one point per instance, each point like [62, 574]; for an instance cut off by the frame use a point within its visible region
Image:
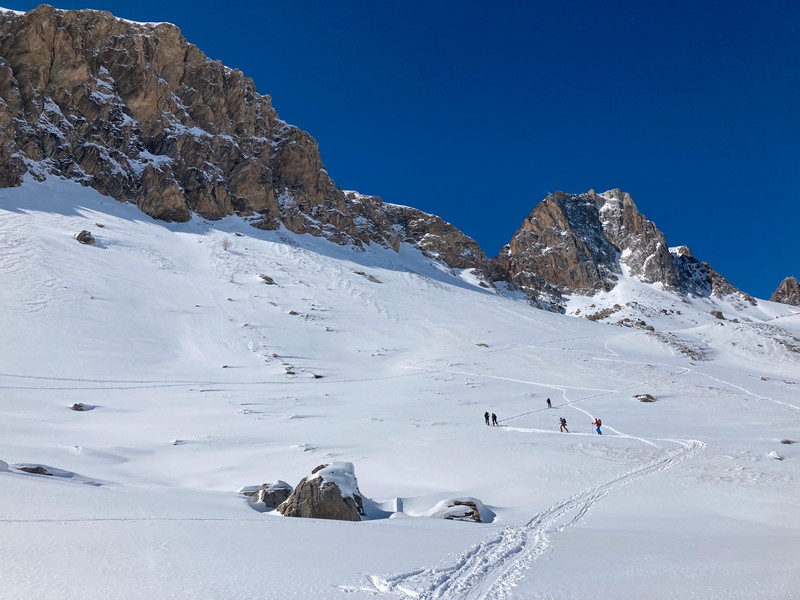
[491, 569]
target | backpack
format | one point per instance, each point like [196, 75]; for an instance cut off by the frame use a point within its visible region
[599, 422]
[563, 421]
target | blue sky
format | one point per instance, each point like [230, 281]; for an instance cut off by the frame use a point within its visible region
[474, 111]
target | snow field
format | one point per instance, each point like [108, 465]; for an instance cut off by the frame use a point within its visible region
[181, 351]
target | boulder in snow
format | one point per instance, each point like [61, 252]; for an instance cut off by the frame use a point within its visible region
[644, 397]
[458, 509]
[267, 496]
[329, 492]
[85, 237]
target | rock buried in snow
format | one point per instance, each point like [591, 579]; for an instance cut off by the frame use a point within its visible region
[329, 492]
[36, 470]
[787, 441]
[269, 280]
[85, 237]
[458, 509]
[644, 397]
[776, 456]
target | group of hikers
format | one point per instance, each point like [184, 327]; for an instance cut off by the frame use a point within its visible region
[597, 423]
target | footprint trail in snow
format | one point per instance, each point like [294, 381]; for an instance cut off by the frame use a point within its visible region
[491, 569]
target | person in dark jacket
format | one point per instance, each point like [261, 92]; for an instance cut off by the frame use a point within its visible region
[548, 403]
[494, 420]
[563, 422]
[486, 417]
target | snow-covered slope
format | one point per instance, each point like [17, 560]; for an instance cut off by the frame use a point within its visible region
[201, 378]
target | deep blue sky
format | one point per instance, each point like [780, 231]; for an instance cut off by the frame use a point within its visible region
[474, 111]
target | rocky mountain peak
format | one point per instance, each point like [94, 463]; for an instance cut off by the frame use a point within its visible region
[138, 113]
[788, 292]
[582, 243]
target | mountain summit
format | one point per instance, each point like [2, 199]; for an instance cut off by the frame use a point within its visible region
[581, 244]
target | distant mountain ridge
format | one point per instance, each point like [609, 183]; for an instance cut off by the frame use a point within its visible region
[139, 114]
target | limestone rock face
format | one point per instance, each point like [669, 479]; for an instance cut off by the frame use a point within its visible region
[644, 249]
[580, 244]
[330, 492]
[788, 292]
[140, 114]
[394, 224]
[576, 244]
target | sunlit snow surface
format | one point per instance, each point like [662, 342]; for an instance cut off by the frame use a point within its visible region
[202, 379]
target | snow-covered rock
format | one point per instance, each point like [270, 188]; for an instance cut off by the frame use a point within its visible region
[329, 492]
[458, 509]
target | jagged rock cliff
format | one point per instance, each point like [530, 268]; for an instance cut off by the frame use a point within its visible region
[582, 243]
[579, 243]
[139, 114]
[788, 292]
[700, 279]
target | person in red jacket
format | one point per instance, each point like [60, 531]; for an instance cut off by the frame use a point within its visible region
[597, 423]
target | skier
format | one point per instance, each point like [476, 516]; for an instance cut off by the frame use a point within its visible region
[494, 420]
[486, 417]
[597, 423]
[548, 403]
[563, 424]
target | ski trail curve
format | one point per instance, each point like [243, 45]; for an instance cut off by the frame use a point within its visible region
[492, 568]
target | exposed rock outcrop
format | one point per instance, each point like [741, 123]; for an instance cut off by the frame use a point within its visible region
[699, 279]
[788, 292]
[330, 492]
[140, 114]
[578, 243]
[582, 243]
[436, 238]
